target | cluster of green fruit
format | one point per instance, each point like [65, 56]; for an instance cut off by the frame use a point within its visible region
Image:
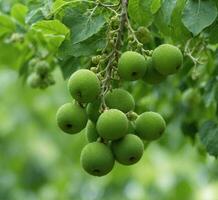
[165, 60]
[115, 132]
[39, 74]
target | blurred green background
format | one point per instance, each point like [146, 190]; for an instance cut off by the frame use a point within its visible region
[40, 162]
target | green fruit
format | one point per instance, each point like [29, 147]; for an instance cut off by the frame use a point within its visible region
[112, 124]
[167, 59]
[97, 159]
[33, 80]
[191, 97]
[42, 67]
[93, 110]
[84, 86]
[150, 126]
[128, 150]
[131, 128]
[131, 66]
[91, 132]
[71, 118]
[152, 76]
[143, 35]
[120, 99]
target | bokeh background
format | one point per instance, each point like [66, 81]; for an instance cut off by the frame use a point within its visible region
[39, 162]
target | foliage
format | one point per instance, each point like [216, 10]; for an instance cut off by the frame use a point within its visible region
[67, 34]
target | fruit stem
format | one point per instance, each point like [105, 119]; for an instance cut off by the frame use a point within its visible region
[114, 54]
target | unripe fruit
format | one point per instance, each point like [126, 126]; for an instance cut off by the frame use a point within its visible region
[152, 76]
[96, 59]
[143, 35]
[131, 66]
[167, 59]
[112, 124]
[93, 110]
[33, 80]
[128, 150]
[91, 132]
[120, 99]
[191, 97]
[71, 118]
[42, 67]
[131, 128]
[84, 86]
[150, 126]
[97, 159]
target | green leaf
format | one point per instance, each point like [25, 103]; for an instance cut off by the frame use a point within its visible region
[179, 33]
[155, 6]
[198, 15]
[71, 64]
[34, 16]
[58, 4]
[163, 17]
[51, 27]
[53, 30]
[18, 12]
[7, 25]
[209, 137]
[140, 12]
[212, 33]
[82, 26]
[85, 48]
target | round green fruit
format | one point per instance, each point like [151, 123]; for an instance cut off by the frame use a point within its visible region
[93, 110]
[152, 76]
[42, 67]
[112, 124]
[191, 97]
[97, 159]
[91, 132]
[71, 118]
[128, 150]
[143, 35]
[167, 59]
[84, 86]
[34, 80]
[150, 126]
[131, 66]
[120, 99]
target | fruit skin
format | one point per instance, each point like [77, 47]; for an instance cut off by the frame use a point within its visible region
[131, 128]
[97, 159]
[112, 124]
[143, 35]
[34, 80]
[91, 132]
[93, 110]
[167, 59]
[84, 86]
[71, 118]
[152, 76]
[150, 126]
[191, 97]
[42, 67]
[120, 99]
[128, 150]
[131, 66]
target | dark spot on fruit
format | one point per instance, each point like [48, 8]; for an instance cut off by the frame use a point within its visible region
[134, 73]
[69, 125]
[79, 94]
[178, 66]
[97, 171]
[132, 159]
